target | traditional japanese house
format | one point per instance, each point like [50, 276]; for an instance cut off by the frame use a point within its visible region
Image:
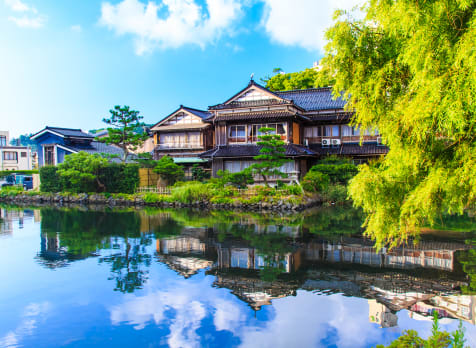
[183, 136]
[311, 123]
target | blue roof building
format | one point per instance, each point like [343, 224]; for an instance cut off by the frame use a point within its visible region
[54, 143]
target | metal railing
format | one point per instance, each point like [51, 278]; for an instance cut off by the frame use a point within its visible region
[153, 189]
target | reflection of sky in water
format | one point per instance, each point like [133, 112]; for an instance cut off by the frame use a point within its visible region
[75, 306]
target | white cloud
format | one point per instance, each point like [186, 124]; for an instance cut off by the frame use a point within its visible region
[76, 28]
[184, 22]
[302, 22]
[30, 17]
[28, 22]
[19, 6]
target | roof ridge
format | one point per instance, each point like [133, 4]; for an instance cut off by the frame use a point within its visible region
[73, 129]
[305, 90]
[188, 107]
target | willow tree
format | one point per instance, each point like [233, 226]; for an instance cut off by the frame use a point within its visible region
[409, 68]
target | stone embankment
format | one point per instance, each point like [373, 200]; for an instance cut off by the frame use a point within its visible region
[138, 201]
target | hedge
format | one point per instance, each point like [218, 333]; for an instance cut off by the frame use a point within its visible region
[23, 172]
[117, 178]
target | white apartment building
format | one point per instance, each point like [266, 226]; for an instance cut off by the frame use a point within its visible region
[14, 157]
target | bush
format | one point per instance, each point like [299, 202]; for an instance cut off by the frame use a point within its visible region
[169, 170]
[119, 178]
[295, 190]
[199, 174]
[152, 197]
[335, 193]
[315, 181]
[50, 180]
[190, 192]
[338, 173]
[11, 190]
[240, 180]
[4, 173]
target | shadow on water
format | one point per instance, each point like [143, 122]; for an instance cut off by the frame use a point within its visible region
[263, 257]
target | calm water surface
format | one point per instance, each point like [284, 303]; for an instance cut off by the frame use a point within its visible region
[179, 278]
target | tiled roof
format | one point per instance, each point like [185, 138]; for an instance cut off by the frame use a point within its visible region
[66, 132]
[182, 127]
[97, 147]
[339, 117]
[313, 98]
[350, 149]
[238, 116]
[200, 113]
[226, 151]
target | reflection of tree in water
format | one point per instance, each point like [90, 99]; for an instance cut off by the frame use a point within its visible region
[128, 267]
[85, 233]
[334, 221]
[467, 259]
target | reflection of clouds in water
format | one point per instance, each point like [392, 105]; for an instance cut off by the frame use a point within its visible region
[27, 325]
[304, 320]
[308, 319]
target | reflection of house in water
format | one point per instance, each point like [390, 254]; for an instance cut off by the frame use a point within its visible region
[186, 254]
[453, 306]
[381, 315]
[53, 255]
[8, 217]
[435, 255]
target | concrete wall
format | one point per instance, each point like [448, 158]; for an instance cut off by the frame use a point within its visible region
[23, 162]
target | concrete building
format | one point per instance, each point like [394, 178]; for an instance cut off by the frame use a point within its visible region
[14, 157]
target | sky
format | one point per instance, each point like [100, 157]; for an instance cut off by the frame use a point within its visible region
[66, 63]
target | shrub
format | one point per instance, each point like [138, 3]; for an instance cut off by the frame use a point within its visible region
[11, 190]
[119, 178]
[295, 190]
[338, 173]
[335, 193]
[4, 173]
[240, 179]
[190, 192]
[152, 197]
[169, 170]
[199, 174]
[315, 181]
[50, 180]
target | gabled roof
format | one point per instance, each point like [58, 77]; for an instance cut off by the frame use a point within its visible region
[63, 133]
[251, 85]
[199, 113]
[263, 115]
[95, 147]
[313, 98]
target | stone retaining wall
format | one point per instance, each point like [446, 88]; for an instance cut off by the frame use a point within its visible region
[98, 199]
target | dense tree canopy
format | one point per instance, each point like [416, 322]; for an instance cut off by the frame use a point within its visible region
[409, 68]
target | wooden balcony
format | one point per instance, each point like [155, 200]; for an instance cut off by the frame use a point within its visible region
[179, 146]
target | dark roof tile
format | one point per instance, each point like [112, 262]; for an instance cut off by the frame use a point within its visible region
[353, 149]
[226, 151]
[313, 98]
[264, 115]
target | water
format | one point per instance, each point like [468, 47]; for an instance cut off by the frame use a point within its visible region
[179, 278]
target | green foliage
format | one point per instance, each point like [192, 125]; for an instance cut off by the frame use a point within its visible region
[337, 173]
[169, 170]
[198, 173]
[119, 178]
[272, 155]
[24, 140]
[335, 193]
[308, 78]
[152, 197]
[50, 180]
[80, 172]
[124, 123]
[191, 191]
[145, 160]
[239, 180]
[293, 190]
[315, 181]
[409, 69]
[4, 173]
[438, 339]
[10, 190]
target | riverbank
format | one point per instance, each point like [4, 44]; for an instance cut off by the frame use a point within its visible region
[291, 203]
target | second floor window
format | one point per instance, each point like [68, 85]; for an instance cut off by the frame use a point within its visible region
[10, 156]
[348, 131]
[3, 140]
[49, 155]
[237, 134]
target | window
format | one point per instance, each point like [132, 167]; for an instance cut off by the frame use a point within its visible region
[49, 155]
[348, 131]
[331, 131]
[3, 140]
[313, 132]
[237, 134]
[10, 156]
[279, 128]
[23, 154]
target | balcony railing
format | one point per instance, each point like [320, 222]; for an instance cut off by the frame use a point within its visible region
[343, 139]
[165, 146]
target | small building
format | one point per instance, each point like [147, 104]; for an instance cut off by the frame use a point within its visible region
[54, 143]
[14, 157]
[183, 135]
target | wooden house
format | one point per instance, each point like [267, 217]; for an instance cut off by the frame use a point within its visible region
[311, 122]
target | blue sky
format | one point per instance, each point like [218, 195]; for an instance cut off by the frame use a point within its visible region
[66, 63]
